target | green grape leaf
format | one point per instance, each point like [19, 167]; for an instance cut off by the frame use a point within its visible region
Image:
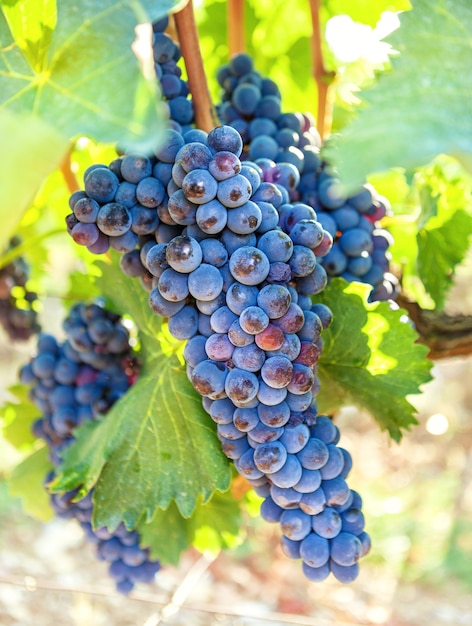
[440, 250]
[87, 79]
[416, 111]
[444, 225]
[32, 23]
[212, 527]
[17, 418]
[27, 482]
[370, 358]
[82, 287]
[30, 150]
[156, 444]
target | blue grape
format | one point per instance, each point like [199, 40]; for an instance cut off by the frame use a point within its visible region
[250, 358]
[245, 419]
[199, 186]
[194, 155]
[345, 549]
[205, 282]
[224, 165]
[245, 219]
[101, 184]
[289, 474]
[208, 378]
[241, 386]
[184, 323]
[327, 524]
[240, 297]
[270, 457]
[219, 347]
[222, 319]
[173, 285]
[225, 138]
[249, 265]
[276, 245]
[295, 525]
[234, 192]
[270, 511]
[275, 416]
[345, 574]
[113, 219]
[184, 254]
[211, 217]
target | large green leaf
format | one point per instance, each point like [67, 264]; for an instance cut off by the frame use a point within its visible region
[444, 225]
[213, 526]
[370, 358]
[83, 76]
[420, 109]
[440, 250]
[27, 483]
[17, 417]
[32, 23]
[156, 444]
[30, 150]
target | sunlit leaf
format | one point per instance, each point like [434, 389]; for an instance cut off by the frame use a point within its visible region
[418, 110]
[370, 358]
[27, 483]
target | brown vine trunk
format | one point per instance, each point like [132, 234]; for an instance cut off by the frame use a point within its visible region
[205, 114]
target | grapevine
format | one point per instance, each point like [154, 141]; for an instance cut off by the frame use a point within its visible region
[262, 285]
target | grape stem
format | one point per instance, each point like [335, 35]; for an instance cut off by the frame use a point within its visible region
[322, 76]
[26, 246]
[205, 114]
[235, 26]
[66, 170]
[445, 335]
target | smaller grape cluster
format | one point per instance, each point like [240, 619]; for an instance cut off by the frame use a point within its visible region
[71, 383]
[128, 563]
[125, 200]
[174, 89]
[360, 247]
[320, 517]
[17, 303]
[287, 147]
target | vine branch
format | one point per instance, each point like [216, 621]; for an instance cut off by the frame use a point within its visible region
[445, 335]
[205, 113]
[235, 26]
[66, 170]
[322, 76]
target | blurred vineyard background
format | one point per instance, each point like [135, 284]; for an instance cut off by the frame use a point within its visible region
[418, 505]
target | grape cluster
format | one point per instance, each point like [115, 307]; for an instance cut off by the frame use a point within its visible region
[232, 264]
[174, 89]
[237, 287]
[128, 563]
[17, 313]
[74, 382]
[252, 105]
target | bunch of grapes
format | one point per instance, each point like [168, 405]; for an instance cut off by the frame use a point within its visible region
[232, 266]
[252, 105]
[74, 382]
[213, 226]
[17, 313]
[174, 89]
